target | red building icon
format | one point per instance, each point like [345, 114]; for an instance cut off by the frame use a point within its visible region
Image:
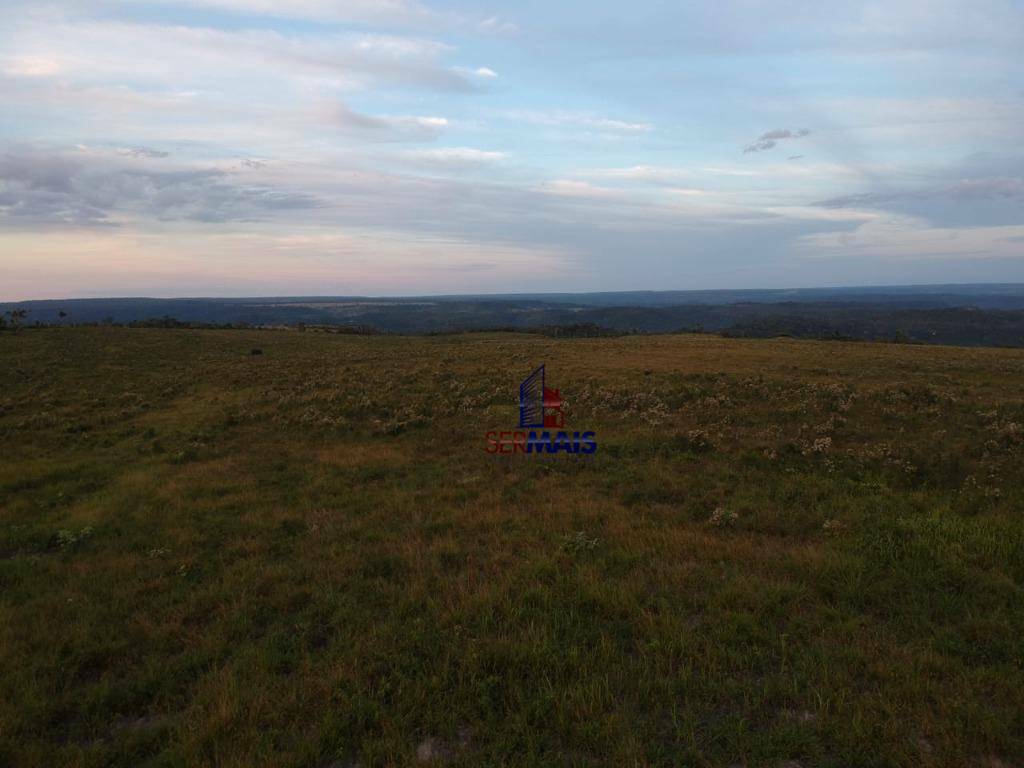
[553, 416]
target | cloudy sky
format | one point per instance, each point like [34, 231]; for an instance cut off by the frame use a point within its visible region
[329, 147]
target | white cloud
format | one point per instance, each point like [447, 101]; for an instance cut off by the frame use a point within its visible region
[585, 120]
[897, 237]
[573, 188]
[386, 128]
[480, 73]
[454, 157]
[390, 14]
[857, 27]
[148, 57]
[30, 66]
[645, 174]
[403, 12]
[493, 25]
[93, 188]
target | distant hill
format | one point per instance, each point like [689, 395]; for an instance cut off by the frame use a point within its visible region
[976, 315]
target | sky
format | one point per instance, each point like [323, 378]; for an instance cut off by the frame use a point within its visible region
[404, 147]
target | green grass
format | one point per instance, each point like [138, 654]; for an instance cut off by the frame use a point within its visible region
[783, 553]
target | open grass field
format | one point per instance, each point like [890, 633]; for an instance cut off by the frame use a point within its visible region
[784, 553]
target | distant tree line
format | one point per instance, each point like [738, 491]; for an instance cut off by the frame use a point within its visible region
[13, 319]
[171, 322]
[833, 322]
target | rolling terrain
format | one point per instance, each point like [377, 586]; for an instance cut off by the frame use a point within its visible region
[968, 315]
[273, 548]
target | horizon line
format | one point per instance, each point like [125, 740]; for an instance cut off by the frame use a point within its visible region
[519, 294]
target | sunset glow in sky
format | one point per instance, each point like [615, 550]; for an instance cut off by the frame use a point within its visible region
[395, 147]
